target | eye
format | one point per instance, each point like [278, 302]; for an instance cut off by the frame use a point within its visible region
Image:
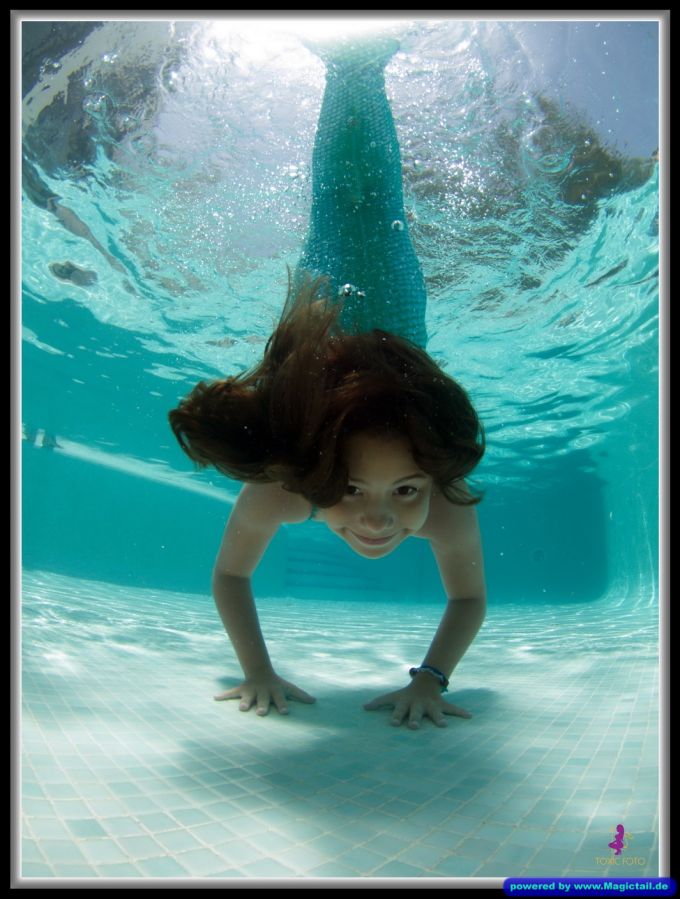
[407, 490]
[352, 490]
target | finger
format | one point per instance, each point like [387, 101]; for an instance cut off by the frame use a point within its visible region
[415, 716]
[279, 698]
[399, 713]
[435, 714]
[247, 701]
[386, 701]
[300, 695]
[228, 694]
[263, 701]
[450, 709]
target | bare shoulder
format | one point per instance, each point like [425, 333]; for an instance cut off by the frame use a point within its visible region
[449, 524]
[257, 514]
[453, 532]
[270, 504]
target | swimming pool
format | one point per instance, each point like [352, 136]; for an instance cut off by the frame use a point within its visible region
[166, 187]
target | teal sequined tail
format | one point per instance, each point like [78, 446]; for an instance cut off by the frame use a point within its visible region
[358, 233]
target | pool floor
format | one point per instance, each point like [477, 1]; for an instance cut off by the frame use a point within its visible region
[130, 769]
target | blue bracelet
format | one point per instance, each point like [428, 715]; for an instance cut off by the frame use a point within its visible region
[433, 671]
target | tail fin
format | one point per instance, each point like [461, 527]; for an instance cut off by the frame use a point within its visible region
[354, 53]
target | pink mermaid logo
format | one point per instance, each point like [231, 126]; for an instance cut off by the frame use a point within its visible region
[618, 843]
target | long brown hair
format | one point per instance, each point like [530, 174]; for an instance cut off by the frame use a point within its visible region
[287, 420]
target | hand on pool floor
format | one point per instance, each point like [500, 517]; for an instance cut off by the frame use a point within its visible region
[420, 698]
[264, 690]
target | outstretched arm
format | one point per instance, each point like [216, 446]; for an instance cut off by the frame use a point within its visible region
[458, 551]
[456, 544]
[258, 512]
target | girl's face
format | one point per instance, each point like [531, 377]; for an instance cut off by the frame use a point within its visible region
[387, 498]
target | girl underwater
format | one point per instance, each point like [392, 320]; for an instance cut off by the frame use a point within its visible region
[347, 420]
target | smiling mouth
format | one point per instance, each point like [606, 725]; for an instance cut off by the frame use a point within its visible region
[374, 541]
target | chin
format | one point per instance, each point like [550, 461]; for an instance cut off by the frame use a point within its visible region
[374, 552]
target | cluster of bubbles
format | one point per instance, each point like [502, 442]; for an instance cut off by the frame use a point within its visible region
[349, 290]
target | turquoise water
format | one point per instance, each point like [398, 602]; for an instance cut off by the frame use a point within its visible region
[180, 157]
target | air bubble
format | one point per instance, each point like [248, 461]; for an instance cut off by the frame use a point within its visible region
[348, 290]
[545, 151]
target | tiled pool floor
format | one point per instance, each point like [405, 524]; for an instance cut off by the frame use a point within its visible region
[129, 768]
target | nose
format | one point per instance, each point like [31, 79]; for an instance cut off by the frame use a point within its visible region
[376, 519]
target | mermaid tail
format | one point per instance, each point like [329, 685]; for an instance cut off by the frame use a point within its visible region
[358, 235]
[354, 53]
